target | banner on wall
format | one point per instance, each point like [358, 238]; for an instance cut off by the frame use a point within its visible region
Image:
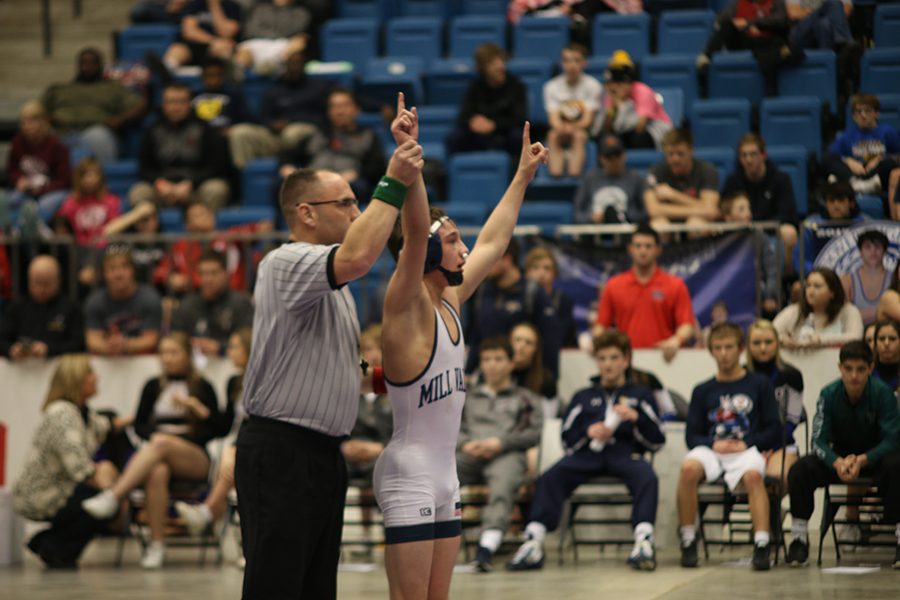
[841, 254]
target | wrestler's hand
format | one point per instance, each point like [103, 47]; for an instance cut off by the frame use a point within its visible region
[532, 154]
[405, 125]
[406, 163]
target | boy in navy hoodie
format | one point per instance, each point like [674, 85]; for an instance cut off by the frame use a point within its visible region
[604, 427]
[732, 419]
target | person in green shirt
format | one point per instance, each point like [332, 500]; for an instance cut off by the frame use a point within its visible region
[856, 432]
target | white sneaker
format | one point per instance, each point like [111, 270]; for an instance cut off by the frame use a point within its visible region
[102, 506]
[849, 535]
[193, 516]
[529, 556]
[154, 556]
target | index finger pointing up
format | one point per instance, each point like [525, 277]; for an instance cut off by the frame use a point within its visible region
[526, 135]
[401, 105]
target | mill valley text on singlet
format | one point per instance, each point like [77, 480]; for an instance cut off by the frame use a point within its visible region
[442, 385]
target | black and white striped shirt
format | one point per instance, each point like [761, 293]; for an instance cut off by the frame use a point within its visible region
[304, 363]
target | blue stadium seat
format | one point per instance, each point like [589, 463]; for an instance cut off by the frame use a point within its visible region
[171, 220]
[415, 36]
[467, 213]
[367, 9]
[425, 8]
[134, 41]
[683, 31]
[816, 75]
[540, 37]
[792, 160]
[880, 71]
[435, 122]
[672, 71]
[673, 104]
[889, 113]
[720, 121]
[243, 215]
[547, 215]
[792, 121]
[887, 25]
[384, 77]
[735, 75]
[483, 7]
[255, 88]
[613, 32]
[596, 66]
[447, 80]
[642, 160]
[871, 205]
[345, 78]
[259, 182]
[722, 158]
[534, 73]
[120, 175]
[468, 32]
[354, 40]
[559, 189]
[477, 176]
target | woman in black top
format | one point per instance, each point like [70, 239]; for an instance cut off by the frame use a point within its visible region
[177, 415]
[887, 352]
[529, 370]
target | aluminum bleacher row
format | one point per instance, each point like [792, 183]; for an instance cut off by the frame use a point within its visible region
[424, 48]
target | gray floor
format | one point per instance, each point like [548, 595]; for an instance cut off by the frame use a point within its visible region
[594, 577]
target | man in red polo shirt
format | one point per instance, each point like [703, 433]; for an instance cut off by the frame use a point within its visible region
[650, 305]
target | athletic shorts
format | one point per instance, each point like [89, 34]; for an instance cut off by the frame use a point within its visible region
[265, 52]
[732, 465]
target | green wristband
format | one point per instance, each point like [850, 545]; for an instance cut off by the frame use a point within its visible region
[391, 191]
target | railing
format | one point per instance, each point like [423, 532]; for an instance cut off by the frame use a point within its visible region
[47, 24]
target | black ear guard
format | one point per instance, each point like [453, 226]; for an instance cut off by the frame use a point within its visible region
[435, 252]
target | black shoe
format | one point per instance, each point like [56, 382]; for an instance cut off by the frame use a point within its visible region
[798, 554]
[689, 558]
[761, 557]
[897, 557]
[482, 562]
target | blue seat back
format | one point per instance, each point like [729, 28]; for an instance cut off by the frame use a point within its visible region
[792, 160]
[478, 177]
[683, 31]
[448, 79]
[468, 32]
[415, 36]
[792, 121]
[613, 32]
[353, 40]
[540, 37]
[735, 75]
[259, 182]
[887, 25]
[720, 121]
[880, 71]
[673, 104]
[534, 73]
[243, 215]
[816, 75]
[120, 175]
[435, 122]
[134, 41]
[678, 71]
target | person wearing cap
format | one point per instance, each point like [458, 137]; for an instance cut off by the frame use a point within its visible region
[571, 100]
[630, 108]
[610, 192]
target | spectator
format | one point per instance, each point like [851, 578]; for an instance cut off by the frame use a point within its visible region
[865, 286]
[717, 314]
[493, 109]
[37, 165]
[865, 153]
[822, 317]
[220, 102]
[869, 336]
[45, 323]
[629, 108]
[889, 305]
[528, 366]
[820, 24]
[683, 188]
[215, 312]
[650, 306]
[182, 158]
[59, 470]
[91, 206]
[839, 211]
[610, 192]
[158, 11]
[505, 299]
[90, 110]
[886, 338]
[541, 266]
[856, 434]
[605, 426]
[769, 189]
[293, 109]
[208, 28]
[146, 255]
[732, 419]
[344, 147]
[735, 208]
[571, 100]
[272, 32]
[500, 422]
[125, 316]
[177, 416]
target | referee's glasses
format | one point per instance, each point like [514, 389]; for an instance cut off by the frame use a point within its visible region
[344, 203]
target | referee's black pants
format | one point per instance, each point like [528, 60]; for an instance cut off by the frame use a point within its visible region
[291, 485]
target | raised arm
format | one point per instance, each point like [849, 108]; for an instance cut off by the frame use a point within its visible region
[498, 230]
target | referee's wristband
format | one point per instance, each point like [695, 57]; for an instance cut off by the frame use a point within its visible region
[391, 191]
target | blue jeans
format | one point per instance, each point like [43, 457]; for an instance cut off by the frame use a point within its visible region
[98, 141]
[48, 204]
[824, 29]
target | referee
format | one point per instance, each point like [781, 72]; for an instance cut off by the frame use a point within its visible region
[301, 388]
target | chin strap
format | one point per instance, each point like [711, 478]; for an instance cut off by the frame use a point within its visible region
[454, 278]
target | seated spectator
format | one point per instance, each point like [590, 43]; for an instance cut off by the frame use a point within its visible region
[869, 336]
[37, 165]
[886, 348]
[764, 357]
[158, 11]
[272, 32]
[292, 109]
[889, 305]
[732, 419]
[182, 159]
[91, 206]
[146, 255]
[571, 100]
[822, 317]
[760, 26]
[124, 317]
[717, 314]
[865, 286]
[629, 108]
[220, 102]
[650, 306]
[494, 107]
[865, 153]
[769, 189]
[541, 266]
[215, 312]
[837, 212]
[500, 422]
[208, 28]
[45, 323]
[60, 471]
[610, 192]
[735, 208]
[856, 435]
[177, 416]
[819, 24]
[352, 151]
[683, 188]
[606, 426]
[90, 110]
[528, 367]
